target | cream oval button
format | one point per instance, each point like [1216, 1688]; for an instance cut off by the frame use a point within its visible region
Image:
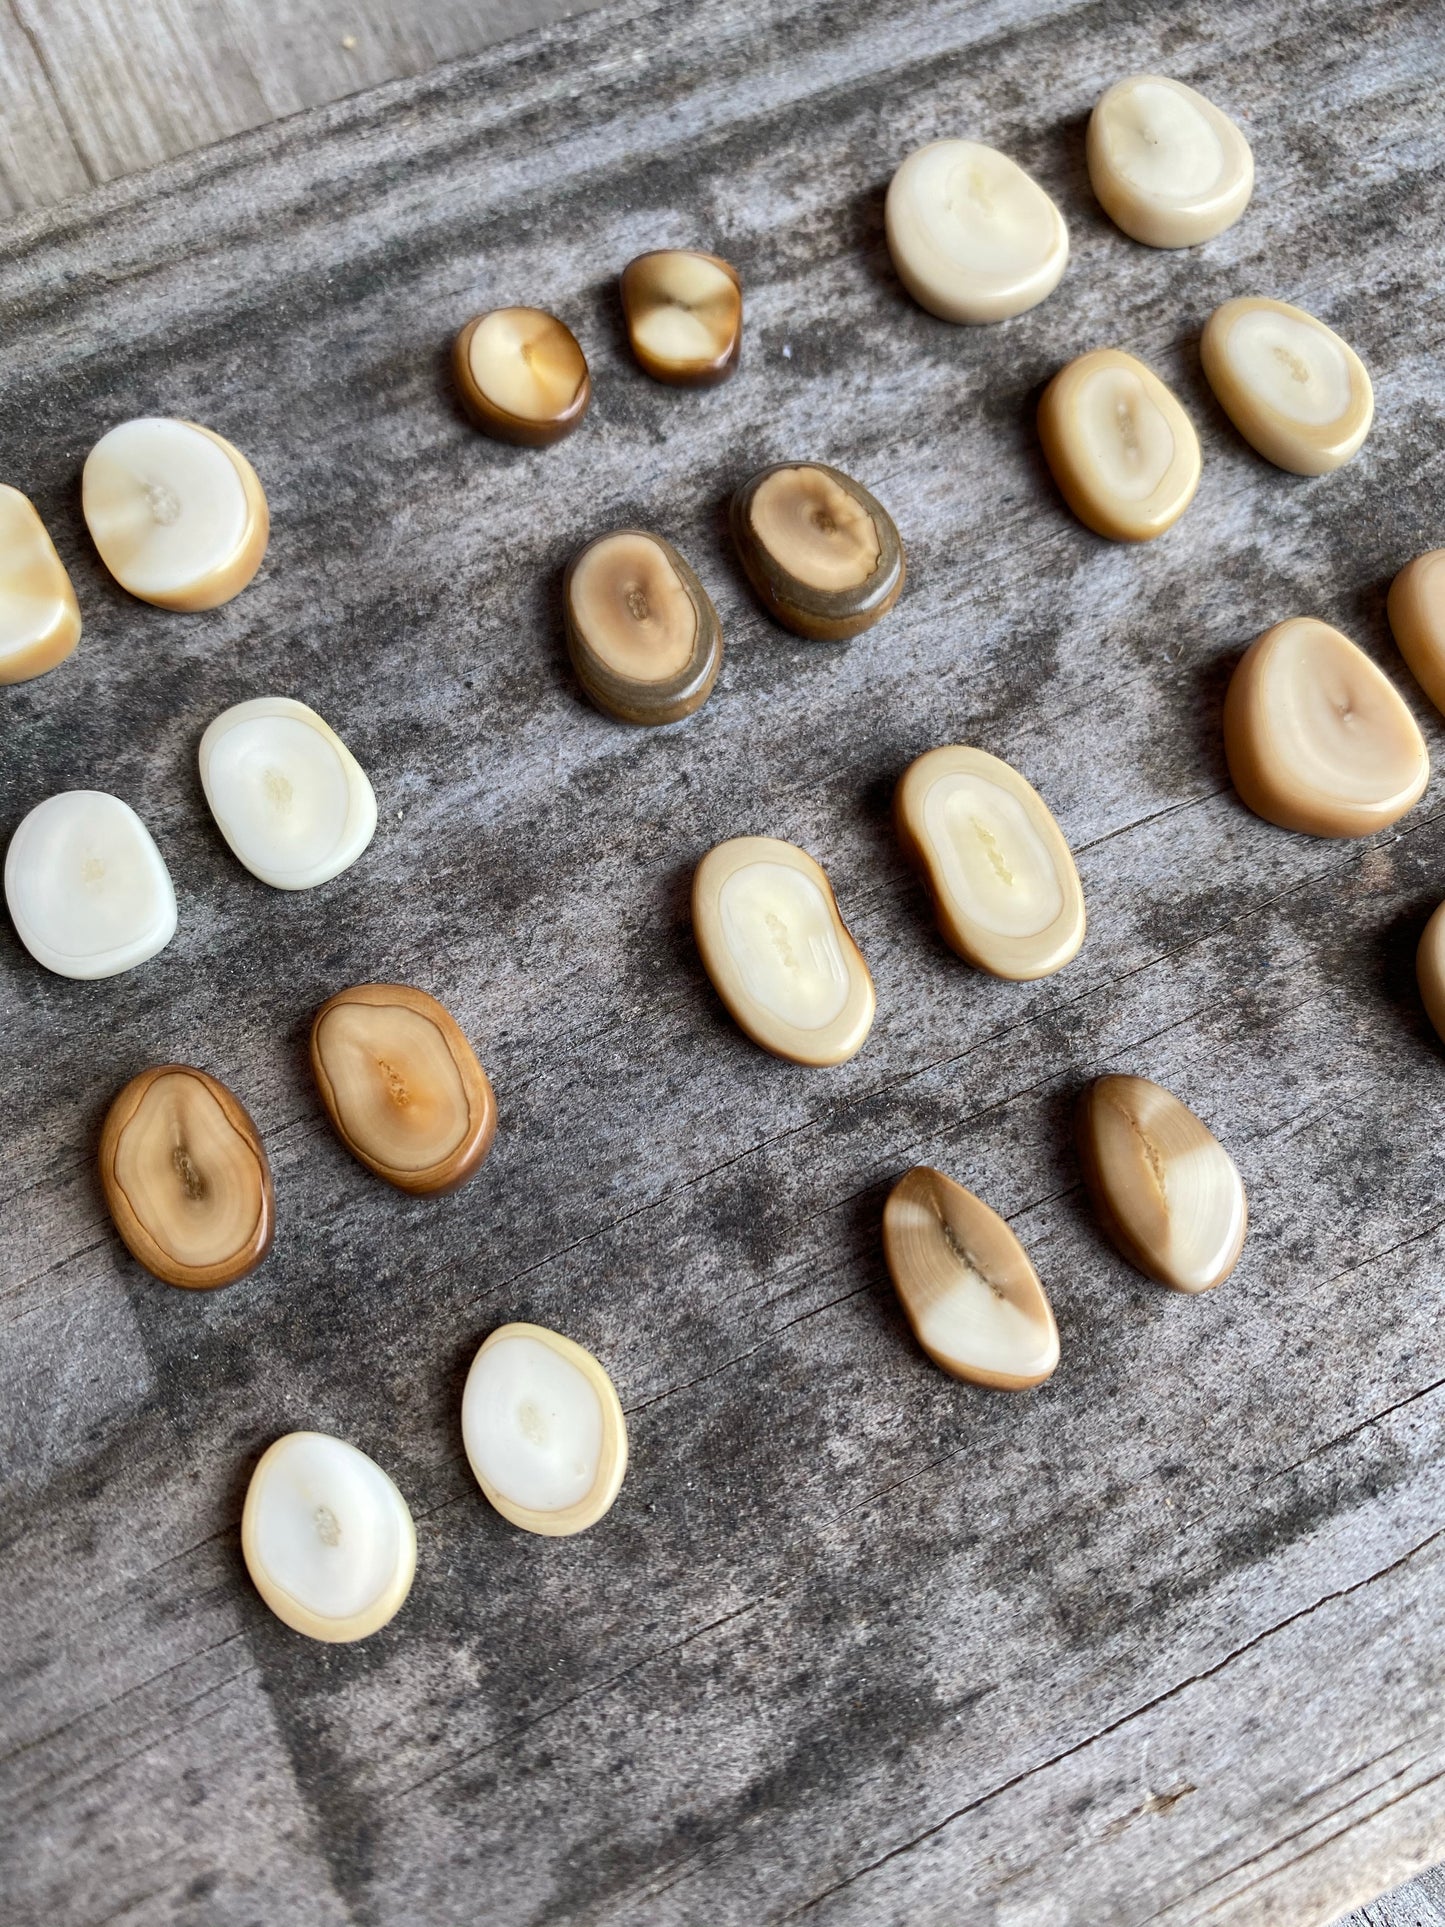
[1416, 609]
[327, 1538]
[1003, 881]
[1122, 450]
[39, 615]
[1298, 394]
[972, 236]
[1317, 738]
[778, 952]
[1168, 167]
[88, 890]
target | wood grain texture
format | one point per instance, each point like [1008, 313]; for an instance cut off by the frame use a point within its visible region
[1162, 1642]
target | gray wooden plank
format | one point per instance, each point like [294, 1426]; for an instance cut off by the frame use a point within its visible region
[39, 161]
[1160, 1643]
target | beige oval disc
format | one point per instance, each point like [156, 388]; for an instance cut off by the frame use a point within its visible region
[1122, 450]
[1298, 394]
[1168, 167]
[39, 615]
[1317, 737]
[1417, 617]
[972, 1297]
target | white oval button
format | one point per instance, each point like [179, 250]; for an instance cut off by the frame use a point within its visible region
[88, 889]
[1168, 167]
[972, 236]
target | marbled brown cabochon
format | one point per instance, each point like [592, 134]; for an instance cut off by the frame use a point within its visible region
[684, 314]
[522, 375]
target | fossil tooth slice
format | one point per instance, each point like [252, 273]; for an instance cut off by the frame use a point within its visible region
[287, 794]
[403, 1087]
[972, 1297]
[972, 236]
[186, 1179]
[1417, 617]
[522, 375]
[1002, 878]
[39, 615]
[684, 313]
[642, 633]
[778, 952]
[177, 514]
[1164, 1188]
[1168, 167]
[88, 889]
[822, 553]
[1298, 394]
[1122, 450]
[543, 1430]
[327, 1538]
[1317, 738]
[1430, 970]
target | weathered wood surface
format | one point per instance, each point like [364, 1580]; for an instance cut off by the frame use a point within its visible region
[1160, 1643]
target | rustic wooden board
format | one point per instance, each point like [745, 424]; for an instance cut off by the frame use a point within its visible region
[1160, 1643]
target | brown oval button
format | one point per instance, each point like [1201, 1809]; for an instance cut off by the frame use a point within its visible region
[522, 375]
[642, 633]
[403, 1087]
[684, 314]
[186, 1179]
[822, 553]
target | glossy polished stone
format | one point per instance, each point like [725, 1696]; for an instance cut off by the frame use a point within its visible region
[543, 1430]
[778, 952]
[1165, 1190]
[966, 1284]
[522, 375]
[403, 1087]
[973, 237]
[1002, 878]
[1317, 738]
[1430, 969]
[327, 1538]
[822, 554]
[641, 629]
[39, 615]
[177, 514]
[1298, 394]
[186, 1179]
[684, 314]
[1416, 608]
[86, 886]
[1168, 167]
[287, 794]
[1122, 450]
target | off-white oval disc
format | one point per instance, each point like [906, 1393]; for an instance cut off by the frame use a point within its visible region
[88, 889]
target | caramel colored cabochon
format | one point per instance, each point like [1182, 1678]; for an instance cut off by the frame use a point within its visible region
[972, 236]
[1168, 167]
[527, 363]
[39, 615]
[1296, 392]
[684, 313]
[632, 607]
[1317, 738]
[1122, 450]
[966, 1284]
[814, 528]
[1417, 618]
[1165, 1189]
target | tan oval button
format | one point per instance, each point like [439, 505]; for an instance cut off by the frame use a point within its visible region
[1122, 450]
[1317, 738]
[1002, 878]
[522, 375]
[1168, 167]
[778, 952]
[1298, 394]
[684, 314]
[39, 615]
[966, 1284]
[186, 1179]
[402, 1086]
[641, 629]
[1430, 970]
[973, 237]
[1166, 1191]
[1417, 616]
[822, 553]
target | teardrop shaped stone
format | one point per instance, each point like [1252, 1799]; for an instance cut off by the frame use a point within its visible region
[641, 629]
[966, 1284]
[1317, 738]
[823, 555]
[1297, 393]
[1122, 450]
[186, 1178]
[1165, 1190]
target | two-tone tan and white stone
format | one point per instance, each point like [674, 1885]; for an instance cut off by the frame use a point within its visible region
[1164, 1188]
[327, 1538]
[822, 553]
[1168, 166]
[1317, 738]
[177, 514]
[1002, 878]
[973, 237]
[1297, 393]
[543, 1430]
[1416, 607]
[1120, 447]
[87, 888]
[522, 375]
[778, 952]
[966, 1284]
[684, 315]
[287, 794]
[39, 615]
